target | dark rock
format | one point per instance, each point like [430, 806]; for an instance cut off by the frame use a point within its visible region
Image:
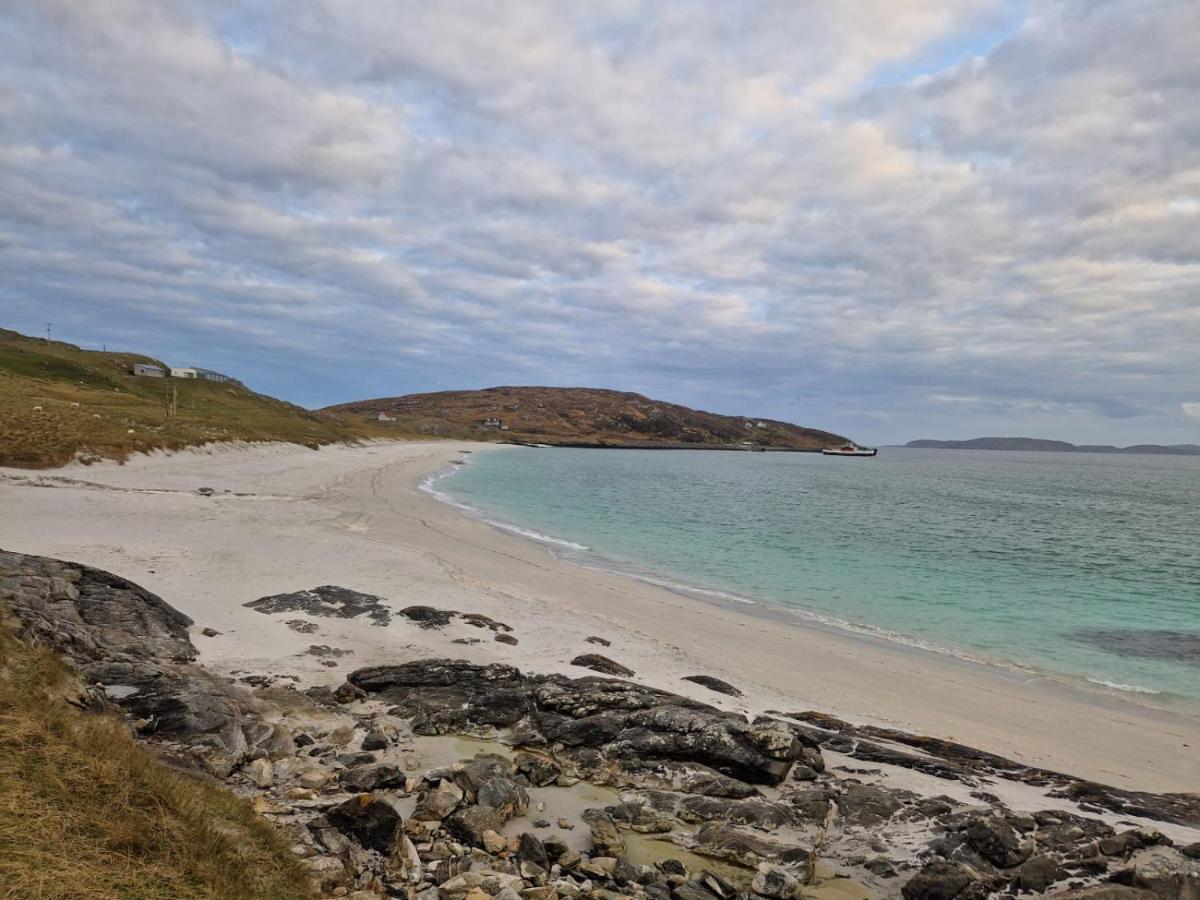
[602, 664]
[506, 639]
[436, 802]
[539, 770]
[504, 795]
[752, 811]
[209, 632]
[714, 684]
[327, 601]
[482, 768]
[372, 778]
[532, 850]
[881, 866]
[775, 882]
[606, 840]
[673, 867]
[375, 740]
[598, 640]
[324, 650]
[1192, 850]
[428, 617]
[302, 626]
[370, 821]
[940, 880]
[726, 842]
[868, 805]
[996, 841]
[640, 818]
[1038, 873]
[348, 693]
[623, 723]
[693, 890]
[469, 824]
[479, 620]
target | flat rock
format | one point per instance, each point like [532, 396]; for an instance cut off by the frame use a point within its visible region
[602, 664]
[713, 684]
[326, 601]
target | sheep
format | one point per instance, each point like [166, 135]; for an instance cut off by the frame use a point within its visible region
[37, 409]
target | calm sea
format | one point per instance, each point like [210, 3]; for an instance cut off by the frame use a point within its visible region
[1082, 565]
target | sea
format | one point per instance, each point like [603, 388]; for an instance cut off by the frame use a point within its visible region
[1078, 566]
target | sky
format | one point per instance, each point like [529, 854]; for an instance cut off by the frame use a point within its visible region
[891, 219]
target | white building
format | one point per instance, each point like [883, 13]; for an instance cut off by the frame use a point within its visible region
[384, 417]
[193, 372]
[148, 371]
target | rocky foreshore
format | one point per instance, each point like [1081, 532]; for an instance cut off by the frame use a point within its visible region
[446, 780]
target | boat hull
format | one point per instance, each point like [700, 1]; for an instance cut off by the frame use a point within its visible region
[858, 452]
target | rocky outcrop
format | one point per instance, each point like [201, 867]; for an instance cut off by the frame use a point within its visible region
[327, 601]
[132, 651]
[604, 722]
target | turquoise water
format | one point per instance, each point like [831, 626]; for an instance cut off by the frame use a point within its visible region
[1082, 565]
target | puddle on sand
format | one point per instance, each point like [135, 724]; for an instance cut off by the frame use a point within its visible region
[648, 849]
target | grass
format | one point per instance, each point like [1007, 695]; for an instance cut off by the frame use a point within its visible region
[90, 405]
[87, 813]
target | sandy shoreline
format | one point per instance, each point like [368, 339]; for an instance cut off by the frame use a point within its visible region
[294, 519]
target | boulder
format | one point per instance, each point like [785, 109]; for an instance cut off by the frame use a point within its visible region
[372, 778]
[775, 882]
[867, 805]
[369, 820]
[996, 841]
[713, 684]
[602, 664]
[436, 802]
[504, 795]
[1038, 873]
[606, 840]
[941, 880]
[469, 825]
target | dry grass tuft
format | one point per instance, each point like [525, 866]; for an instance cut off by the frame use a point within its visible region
[86, 813]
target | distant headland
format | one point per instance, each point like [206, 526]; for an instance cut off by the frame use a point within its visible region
[1024, 443]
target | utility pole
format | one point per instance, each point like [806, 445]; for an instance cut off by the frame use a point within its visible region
[48, 331]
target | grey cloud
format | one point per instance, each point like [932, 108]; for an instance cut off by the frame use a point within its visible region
[718, 206]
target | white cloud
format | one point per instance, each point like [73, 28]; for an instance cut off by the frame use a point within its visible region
[712, 204]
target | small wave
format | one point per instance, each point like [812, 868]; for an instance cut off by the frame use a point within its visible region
[1128, 688]
[427, 485]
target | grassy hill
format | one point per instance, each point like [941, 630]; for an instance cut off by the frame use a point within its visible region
[583, 417]
[91, 405]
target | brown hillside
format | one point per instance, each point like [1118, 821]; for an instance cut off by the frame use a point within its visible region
[583, 417]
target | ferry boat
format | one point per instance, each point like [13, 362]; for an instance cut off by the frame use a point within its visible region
[849, 450]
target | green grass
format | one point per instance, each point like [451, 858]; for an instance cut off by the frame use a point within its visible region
[87, 813]
[92, 406]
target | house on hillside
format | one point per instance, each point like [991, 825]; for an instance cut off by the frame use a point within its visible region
[204, 374]
[494, 422]
[148, 371]
[384, 417]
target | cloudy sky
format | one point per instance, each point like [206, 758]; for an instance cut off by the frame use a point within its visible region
[890, 218]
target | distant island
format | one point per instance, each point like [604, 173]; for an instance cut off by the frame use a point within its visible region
[1023, 443]
[582, 417]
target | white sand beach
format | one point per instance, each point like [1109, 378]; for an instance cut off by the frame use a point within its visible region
[284, 518]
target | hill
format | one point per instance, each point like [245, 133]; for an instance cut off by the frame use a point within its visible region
[583, 417]
[1020, 443]
[59, 402]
